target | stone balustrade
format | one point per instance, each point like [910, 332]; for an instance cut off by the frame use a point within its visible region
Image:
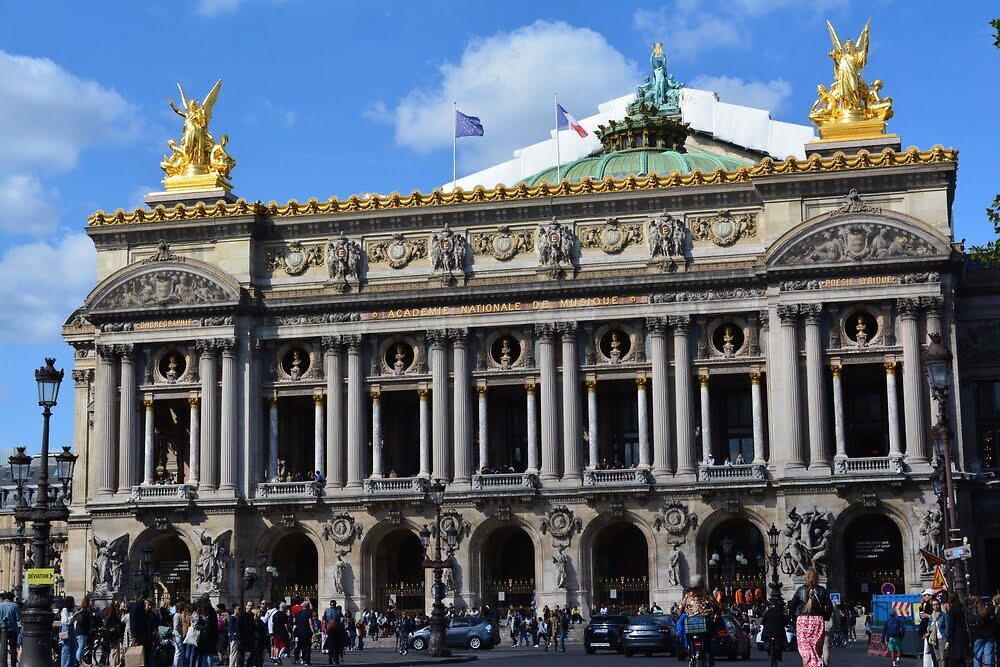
[505, 481]
[396, 485]
[161, 492]
[622, 477]
[289, 490]
[724, 473]
[866, 465]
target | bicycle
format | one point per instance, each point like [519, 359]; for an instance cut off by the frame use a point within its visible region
[841, 639]
[774, 651]
[696, 631]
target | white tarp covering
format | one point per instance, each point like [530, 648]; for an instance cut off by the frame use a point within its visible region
[743, 126]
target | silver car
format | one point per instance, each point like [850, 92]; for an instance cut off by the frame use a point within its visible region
[462, 632]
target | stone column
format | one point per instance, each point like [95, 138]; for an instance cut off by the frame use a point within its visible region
[895, 449]
[83, 445]
[684, 403]
[532, 416]
[272, 437]
[463, 394]
[662, 464]
[425, 434]
[319, 439]
[792, 451]
[544, 334]
[934, 306]
[128, 456]
[913, 389]
[105, 418]
[230, 442]
[706, 417]
[376, 433]
[819, 457]
[209, 416]
[838, 413]
[484, 428]
[593, 443]
[194, 441]
[645, 461]
[332, 346]
[439, 404]
[355, 414]
[572, 470]
[757, 406]
[147, 452]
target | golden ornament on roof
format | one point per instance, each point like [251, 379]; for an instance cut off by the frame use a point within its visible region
[199, 162]
[851, 108]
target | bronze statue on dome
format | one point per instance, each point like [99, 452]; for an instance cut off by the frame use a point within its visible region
[661, 93]
[198, 160]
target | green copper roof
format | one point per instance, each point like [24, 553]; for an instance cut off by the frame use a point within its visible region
[637, 162]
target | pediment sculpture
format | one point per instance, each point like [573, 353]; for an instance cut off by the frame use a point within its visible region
[164, 287]
[855, 242]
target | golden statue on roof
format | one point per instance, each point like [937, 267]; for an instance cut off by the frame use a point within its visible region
[850, 109]
[198, 162]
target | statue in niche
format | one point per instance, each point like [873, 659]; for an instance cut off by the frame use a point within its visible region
[862, 334]
[400, 365]
[728, 349]
[505, 358]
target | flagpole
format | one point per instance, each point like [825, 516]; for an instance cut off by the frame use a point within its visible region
[555, 108]
[454, 146]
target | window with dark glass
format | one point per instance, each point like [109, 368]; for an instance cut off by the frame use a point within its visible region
[987, 399]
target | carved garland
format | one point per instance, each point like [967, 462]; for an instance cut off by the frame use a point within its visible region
[503, 244]
[397, 252]
[295, 258]
[612, 237]
[724, 229]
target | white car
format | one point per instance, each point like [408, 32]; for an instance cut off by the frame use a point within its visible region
[790, 644]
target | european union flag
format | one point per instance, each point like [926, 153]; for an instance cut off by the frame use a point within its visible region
[467, 126]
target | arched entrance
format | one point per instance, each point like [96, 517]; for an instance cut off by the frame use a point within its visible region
[399, 573]
[171, 561]
[621, 567]
[736, 559]
[297, 561]
[508, 568]
[873, 557]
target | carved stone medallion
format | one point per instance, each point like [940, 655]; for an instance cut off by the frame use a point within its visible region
[343, 530]
[612, 237]
[295, 258]
[503, 244]
[675, 519]
[724, 229]
[561, 523]
[397, 252]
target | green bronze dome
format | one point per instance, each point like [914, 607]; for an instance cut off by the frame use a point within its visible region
[638, 162]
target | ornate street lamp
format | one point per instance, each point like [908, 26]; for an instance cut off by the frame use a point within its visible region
[775, 584]
[938, 362]
[439, 623]
[38, 616]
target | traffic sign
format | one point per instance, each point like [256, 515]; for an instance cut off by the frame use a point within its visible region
[888, 589]
[955, 553]
[835, 598]
[938, 582]
[41, 576]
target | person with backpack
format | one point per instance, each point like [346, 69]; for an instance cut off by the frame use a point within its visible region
[892, 634]
[810, 607]
[958, 646]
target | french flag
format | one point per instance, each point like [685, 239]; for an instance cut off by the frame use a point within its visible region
[567, 121]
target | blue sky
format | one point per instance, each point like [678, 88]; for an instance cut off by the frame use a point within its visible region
[335, 98]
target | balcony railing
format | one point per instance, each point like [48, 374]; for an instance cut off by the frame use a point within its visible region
[396, 485]
[618, 477]
[161, 492]
[513, 481]
[866, 465]
[305, 489]
[731, 473]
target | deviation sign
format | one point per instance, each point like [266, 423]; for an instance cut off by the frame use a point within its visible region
[959, 552]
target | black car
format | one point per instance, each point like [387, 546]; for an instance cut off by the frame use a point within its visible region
[604, 632]
[463, 632]
[649, 635]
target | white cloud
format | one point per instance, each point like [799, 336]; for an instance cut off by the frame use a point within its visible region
[50, 115]
[27, 206]
[213, 8]
[687, 33]
[770, 95]
[43, 284]
[508, 80]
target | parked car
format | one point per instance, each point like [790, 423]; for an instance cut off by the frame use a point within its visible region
[649, 635]
[462, 632]
[790, 643]
[604, 632]
[729, 641]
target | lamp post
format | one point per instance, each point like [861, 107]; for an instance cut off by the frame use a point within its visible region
[439, 623]
[937, 360]
[38, 615]
[775, 584]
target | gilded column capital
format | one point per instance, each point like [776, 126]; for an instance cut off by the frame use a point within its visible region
[703, 377]
[481, 390]
[423, 393]
[272, 400]
[890, 367]
[147, 403]
[755, 376]
[908, 308]
[788, 313]
[812, 312]
[545, 331]
[837, 369]
[681, 324]
[83, 376]
[376, 395]
[591, 386]
[530, 386]
[640, 382]
[657, 325]
[194, 401]
[332, 344]
[318, 399]
[437, 337]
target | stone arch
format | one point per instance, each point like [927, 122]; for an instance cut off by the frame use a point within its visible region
[177, 284]
[367, 584]
[480, 537]
[804, 242]
[273, 538]
[708, 526]
[173, 581]
[590, 541]
[842, 525]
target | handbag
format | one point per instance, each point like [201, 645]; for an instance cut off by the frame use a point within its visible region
[192, 636]
[63, 633]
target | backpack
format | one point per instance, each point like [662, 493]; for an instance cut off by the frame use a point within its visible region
[896, 629]
[972, 622]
